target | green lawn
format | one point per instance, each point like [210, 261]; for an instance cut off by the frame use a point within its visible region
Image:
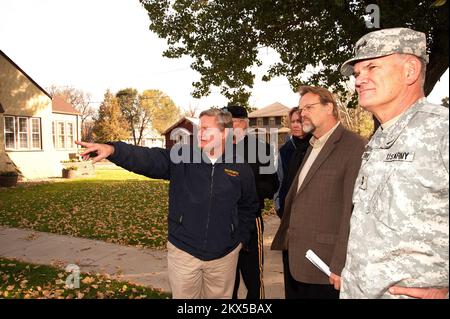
[29, 281]
[116, 206]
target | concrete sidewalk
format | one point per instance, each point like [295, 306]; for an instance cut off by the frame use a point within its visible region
[137, 265]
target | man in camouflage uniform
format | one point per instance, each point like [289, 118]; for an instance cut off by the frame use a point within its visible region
[399, 230]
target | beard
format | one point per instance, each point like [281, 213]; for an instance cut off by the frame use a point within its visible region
[308, 127]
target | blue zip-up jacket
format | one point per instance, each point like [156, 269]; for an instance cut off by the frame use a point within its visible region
[212, 208]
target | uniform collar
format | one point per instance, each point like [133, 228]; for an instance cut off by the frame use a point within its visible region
[391, 122]
[385, 138]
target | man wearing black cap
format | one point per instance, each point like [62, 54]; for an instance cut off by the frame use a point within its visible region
[260, 156]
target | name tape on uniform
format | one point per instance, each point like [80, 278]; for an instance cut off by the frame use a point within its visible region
[400, 156]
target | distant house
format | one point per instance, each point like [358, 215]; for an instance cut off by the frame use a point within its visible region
[66, 128]
[36, 130]
[270, 119]
[150, 138]
[181, 131]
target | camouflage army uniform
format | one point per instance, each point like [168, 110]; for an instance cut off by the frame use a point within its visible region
[399, 230]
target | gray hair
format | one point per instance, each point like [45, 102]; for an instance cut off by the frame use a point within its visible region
[223, 118]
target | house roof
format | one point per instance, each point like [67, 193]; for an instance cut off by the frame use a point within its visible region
[24, 73]
[61, 106]
[1, 108]
[275, 109]
[193, 120]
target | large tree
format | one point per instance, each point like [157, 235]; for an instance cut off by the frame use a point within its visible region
[150, 108]
[110, 124]
[81, 102]
[163, 111]
[136, 113]
[224, 36]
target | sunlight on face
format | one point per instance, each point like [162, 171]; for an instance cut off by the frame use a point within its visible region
[311, 112]
[210, 137]
[379, 81]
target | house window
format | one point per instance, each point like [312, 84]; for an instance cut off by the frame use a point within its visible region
[278, 120]
[54, 134]
[272, 122]
[10, 132]
[35, 133]
[70, 140]
[259, 122]
[265, 121]
[252, 122]
[63, 135]
[22, 132]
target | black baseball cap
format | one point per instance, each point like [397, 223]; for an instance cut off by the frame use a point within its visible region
[237, 111]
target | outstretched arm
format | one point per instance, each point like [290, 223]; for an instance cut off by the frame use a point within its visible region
[151, 162]
[97, 151]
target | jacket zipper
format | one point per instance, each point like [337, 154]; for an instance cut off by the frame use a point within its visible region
[210, 206]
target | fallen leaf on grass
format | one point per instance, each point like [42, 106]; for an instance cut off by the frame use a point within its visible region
[88, 280]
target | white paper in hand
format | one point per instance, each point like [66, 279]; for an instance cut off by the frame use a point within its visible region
[316, 261]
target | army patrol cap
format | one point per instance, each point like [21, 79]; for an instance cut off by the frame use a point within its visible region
[386, 42]
[237, 111]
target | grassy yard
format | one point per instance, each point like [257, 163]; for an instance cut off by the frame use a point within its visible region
[116, 206]
[29, 281]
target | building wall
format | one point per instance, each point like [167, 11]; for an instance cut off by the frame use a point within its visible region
[187, 125]
[150, 138]
[21, 97]
[266, 124]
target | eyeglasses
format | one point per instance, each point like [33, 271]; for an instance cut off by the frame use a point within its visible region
[307, 107]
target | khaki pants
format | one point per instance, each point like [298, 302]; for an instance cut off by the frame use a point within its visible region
[192, 278]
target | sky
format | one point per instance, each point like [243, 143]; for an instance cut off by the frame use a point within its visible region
[95, 45]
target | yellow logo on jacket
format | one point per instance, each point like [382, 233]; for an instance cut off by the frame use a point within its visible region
[231, 173]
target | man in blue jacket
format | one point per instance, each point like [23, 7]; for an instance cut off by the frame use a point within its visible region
[212, 204]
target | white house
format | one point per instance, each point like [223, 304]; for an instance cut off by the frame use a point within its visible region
[150, 138]
[37, 131]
